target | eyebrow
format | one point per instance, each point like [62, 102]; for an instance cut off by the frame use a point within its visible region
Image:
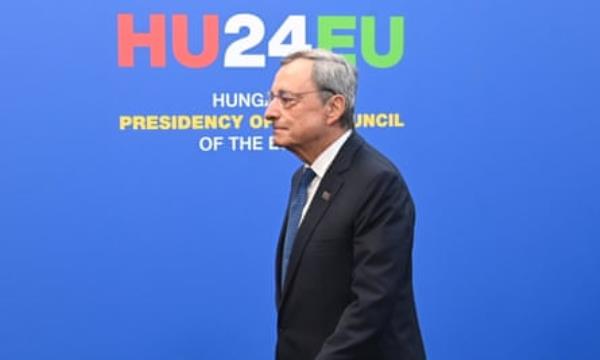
[280, 91]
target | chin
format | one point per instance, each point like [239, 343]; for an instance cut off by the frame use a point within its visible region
[280, 141]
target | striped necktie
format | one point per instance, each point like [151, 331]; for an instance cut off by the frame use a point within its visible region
[297, 204]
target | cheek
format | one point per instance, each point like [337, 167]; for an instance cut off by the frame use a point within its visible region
[292, 122]
[304, 124]
[310, 124]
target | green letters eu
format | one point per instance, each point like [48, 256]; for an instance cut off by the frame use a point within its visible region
[368, 42]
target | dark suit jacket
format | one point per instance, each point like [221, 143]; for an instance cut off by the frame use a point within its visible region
[348, 290]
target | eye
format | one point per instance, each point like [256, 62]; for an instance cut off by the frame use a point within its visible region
[286, 99]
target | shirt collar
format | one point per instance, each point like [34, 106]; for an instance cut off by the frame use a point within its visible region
[324, 160]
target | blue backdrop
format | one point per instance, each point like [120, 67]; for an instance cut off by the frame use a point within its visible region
[137, 244]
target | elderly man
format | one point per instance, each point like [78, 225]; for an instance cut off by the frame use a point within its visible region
[343, 269]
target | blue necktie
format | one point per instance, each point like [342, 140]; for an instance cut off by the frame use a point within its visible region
[295, 213]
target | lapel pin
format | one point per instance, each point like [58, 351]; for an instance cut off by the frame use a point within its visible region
[326, 195]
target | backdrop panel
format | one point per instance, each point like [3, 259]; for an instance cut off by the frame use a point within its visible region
[140, 199]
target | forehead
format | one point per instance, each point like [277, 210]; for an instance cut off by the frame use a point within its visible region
[295, 76]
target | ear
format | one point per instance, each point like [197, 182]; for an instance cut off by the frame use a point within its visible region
[335, 108]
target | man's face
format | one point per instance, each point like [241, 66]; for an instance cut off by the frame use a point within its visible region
[297, 111]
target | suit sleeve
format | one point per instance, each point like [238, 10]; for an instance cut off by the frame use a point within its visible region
[382, 245]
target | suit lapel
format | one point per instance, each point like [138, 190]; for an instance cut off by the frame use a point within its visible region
[331, 183]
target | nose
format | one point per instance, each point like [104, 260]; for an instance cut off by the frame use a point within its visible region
[273, 112]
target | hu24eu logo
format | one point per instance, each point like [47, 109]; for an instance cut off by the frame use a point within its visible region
[333, 32]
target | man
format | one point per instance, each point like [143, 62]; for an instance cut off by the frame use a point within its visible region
[343, 269]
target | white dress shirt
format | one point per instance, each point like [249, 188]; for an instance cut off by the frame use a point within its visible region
[320, 166]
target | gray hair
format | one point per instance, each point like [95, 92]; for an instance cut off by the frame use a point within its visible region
[333, 74]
